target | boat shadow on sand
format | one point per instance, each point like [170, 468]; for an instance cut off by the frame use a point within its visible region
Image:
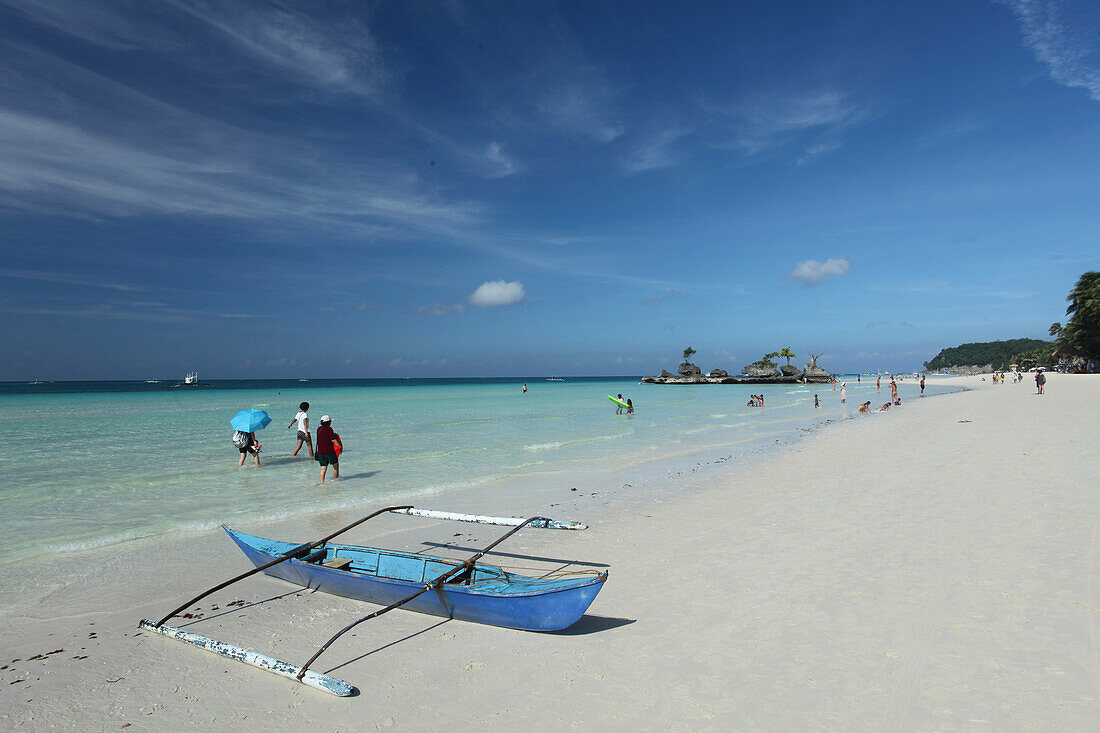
[588, 624]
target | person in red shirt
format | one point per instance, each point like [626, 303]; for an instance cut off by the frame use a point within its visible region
[326, 454]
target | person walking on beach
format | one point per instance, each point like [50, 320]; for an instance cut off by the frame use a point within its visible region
[327, 440]
[251, 446]
[843, 392]
[303, 429]
[922, 385]
[878, 383]
[816, 403]
[1040, 380]
[893, 391]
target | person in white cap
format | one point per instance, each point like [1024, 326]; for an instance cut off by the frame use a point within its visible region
[326, 453]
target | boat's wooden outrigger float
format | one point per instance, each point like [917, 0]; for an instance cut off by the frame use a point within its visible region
[459, 589]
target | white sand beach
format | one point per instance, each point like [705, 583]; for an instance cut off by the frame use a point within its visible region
[929, 568]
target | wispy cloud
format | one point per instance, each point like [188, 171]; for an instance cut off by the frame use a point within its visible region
[583, 104]
[944, 289]
[952, 129]
[818, 149]
[763, 122]
[56, 277]
[498, 164]
[811, 272]
[331, 55]
[657, 151]
[439, 309]
[1063, 37]
[79, 142]
[555, 86]
[666, 297]
[126, 312]
[59, 167]
[340, 56]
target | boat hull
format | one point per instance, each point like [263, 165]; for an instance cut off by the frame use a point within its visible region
[498, 599]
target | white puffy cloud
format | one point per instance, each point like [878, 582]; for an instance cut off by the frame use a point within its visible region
[811, 272]
[497, 292]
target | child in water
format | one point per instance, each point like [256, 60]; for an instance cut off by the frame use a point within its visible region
[629, 407]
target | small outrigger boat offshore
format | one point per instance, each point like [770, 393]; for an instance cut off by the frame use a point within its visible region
[459, 589]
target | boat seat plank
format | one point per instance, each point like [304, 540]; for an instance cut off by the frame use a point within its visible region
[338, 563]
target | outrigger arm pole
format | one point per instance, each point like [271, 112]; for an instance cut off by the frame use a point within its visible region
[296, 552]
[428, 585]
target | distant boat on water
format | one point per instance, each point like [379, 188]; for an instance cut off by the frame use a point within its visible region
[554, 379]
[191, 380]
[303, 380]
[36, 381]
[152, 381]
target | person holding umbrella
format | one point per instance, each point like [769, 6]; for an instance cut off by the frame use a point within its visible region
[246, 423]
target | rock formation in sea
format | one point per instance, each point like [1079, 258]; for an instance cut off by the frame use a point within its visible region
[761, 372]
[687, 369]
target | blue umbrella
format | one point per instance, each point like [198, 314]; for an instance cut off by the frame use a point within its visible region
[250, 420]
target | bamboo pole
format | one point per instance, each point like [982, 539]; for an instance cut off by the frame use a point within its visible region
[296, 552]
[468, 564]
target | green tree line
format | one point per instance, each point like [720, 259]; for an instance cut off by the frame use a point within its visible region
[1080, 336]
[998, 353]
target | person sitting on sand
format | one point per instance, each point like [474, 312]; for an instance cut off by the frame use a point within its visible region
[865, 407]
[885, 407]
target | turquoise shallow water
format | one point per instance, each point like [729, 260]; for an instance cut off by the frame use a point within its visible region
[90, 468]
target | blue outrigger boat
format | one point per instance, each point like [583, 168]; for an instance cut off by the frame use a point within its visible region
[459, 589]
[483, 593]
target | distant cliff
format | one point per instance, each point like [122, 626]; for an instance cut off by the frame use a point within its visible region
[997, 354]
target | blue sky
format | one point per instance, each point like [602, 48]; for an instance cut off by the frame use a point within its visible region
[346, 189]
